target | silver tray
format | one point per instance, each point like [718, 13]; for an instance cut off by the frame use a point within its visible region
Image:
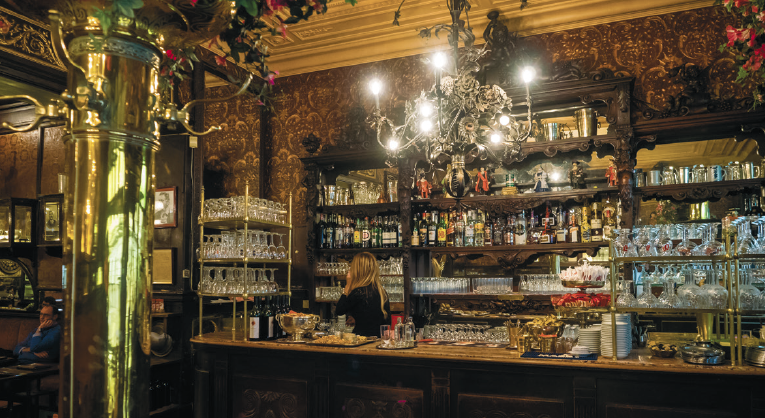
[380, 347]
[702, 353]
[359, 344]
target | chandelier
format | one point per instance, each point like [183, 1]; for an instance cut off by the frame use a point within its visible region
[458, 116]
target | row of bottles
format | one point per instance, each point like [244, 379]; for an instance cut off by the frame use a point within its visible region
[338, 231]
[263, 323]
[473, 228]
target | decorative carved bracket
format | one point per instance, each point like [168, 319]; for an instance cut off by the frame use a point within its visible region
[699, 191]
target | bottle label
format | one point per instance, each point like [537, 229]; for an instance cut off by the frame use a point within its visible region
[596, 223]
[574, 235]
[365, 235]
[432, 235]
[415, 240]
[441, 235]
[270, 327]
[357, 237]
[254, 328]
[469, 231]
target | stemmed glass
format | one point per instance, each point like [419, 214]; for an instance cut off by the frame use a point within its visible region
[281, 251]
[642, 241]
[664, 241]
[273, 287]
[647, 299]
[623, 246]
[710, 246]
[219, 284]
[686, 246]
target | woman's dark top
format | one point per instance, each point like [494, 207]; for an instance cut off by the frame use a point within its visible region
[363, 304]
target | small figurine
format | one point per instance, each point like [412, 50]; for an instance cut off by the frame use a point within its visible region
[611, 174]
[576, 176]
[482, 181]
[424, 187]
[540, 179]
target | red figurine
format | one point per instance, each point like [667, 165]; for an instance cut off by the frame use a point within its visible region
[611, 174]
[424, 186]
[482, 181]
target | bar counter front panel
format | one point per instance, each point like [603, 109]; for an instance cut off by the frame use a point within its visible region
[269, 379]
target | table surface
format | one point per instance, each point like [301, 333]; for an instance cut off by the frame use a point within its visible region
[638, 359]
[19, 372]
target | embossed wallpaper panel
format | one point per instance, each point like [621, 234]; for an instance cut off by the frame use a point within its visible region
[232, 155]
[18, 165]
[320, 102]
[54, 158]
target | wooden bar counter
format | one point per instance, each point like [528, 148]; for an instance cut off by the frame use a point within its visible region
[244, 379]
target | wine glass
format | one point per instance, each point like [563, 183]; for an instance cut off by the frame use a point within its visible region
[664, 241]
[281, 251]
[272, 286]
[686, 246]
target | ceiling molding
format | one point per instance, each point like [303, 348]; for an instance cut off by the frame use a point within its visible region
[351, 35]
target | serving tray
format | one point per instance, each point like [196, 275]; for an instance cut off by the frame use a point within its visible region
[343, 345]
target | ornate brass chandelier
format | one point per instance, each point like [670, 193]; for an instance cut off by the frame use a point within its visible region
[458, 116]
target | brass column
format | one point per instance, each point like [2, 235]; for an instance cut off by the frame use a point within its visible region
[109, 228]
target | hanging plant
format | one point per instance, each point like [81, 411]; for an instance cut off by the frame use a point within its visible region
[747, 42]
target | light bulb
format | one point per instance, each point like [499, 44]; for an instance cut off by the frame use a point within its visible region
[426, 125]
[555, 176]
[439, 60]
[393, 144]
[375, 85]
[527, 74]
[496, 138]
[426, 109]
[504, 120]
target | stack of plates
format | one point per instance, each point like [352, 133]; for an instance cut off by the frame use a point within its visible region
[623, 336]
[590, 338]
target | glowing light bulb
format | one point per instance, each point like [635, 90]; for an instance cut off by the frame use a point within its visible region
[555, 176]
[426, 125]
[528, 74]
[439, 60]
[426, 109]
[504, 120]
[393, 144]
[496, 138]
[375, 85]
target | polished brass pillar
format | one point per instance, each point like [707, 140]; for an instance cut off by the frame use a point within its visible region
[109, 229]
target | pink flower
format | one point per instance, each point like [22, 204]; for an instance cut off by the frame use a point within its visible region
[739, 3]
[170, 55]
[751, 42]
[761, 16]
[220, 60]
[194, 3]
[725, 2]
[755, 9]
[283, 29]
[270, 77]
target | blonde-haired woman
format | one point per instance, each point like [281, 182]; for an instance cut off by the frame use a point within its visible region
[364, 298]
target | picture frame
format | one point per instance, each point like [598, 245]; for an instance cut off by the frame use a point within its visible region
[163, 266]
[166, 207]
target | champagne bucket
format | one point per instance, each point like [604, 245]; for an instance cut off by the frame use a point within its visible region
[685, 175]
[586, 122]
[734, 170]
[715, 173]
[669, 176]
[750, 171]
[654, 178]
[639, 177]
[553, 131]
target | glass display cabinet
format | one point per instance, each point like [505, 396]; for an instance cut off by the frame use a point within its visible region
[17, 222]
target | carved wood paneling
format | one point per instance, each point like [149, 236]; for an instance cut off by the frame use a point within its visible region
[699, 191]
[440, 399]
[360, 401]
[635, 411]
[261, 397]
[28, 38]
[483, 406]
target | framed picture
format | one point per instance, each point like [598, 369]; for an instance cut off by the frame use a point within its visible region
[165, 214]
[163, 266]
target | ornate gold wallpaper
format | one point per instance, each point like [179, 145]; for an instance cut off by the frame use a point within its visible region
[232, 155]
[319, 102]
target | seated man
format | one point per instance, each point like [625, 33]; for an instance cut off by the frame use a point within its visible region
[43, 344]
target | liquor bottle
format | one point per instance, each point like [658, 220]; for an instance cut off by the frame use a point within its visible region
[433, 229]
[520, 229]
[366, 234]
[596, 223]
[754, 207]
[585, 224]
[561, 233]
[470, 230]
[339, 233]
[255, 321]
[532, 236]
[459, 231]
[285, 310]
[279, 309]
[399, 237]
[488, 234]
[385, 232]
[416, 232]
[441, 231]
[321, 233]
[348, 233]
[424, 230]
[357, 233]
[479, 229]
[547, 236]
[609, 220]
[378, 237]
[267, 322]
[450, 230]
[573, 230]
[509, 231]
[498, 230]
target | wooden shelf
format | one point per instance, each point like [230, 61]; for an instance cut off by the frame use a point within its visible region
[361, 211]
[227, 224]
[694, 192]
[243, 261]
[381, 251]
[501, 205]
[575, 247]
[670, 311]
[551, 148]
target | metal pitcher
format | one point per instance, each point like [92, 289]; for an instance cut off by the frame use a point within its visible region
[639, 177]
[685, 175]
[669, 176]
[750, 171]
[586, 122]
[553, 131]
[716, 173]
[734, 170]
[699, 173]
[654, 178]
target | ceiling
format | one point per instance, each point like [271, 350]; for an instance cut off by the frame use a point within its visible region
[349, 35]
